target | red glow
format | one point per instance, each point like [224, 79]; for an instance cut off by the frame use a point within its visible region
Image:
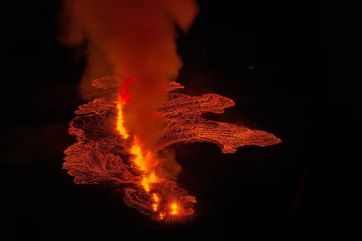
[103, 154]
[146, 162]
[124, 93]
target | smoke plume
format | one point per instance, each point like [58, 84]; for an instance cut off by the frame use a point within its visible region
[130, 39]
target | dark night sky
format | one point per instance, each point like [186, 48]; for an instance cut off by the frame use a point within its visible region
[277, 60]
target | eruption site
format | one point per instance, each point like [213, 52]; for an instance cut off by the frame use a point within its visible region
[106, 153]
[134, 115]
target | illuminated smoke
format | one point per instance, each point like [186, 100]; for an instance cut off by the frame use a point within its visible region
[130, 38]
[135, 113]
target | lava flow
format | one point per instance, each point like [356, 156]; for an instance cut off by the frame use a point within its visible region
[163, 199]
[126, 132]
[106, 153]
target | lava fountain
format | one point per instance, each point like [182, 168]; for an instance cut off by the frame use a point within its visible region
[135, 114]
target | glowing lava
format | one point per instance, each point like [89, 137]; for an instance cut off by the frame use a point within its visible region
[141, 161]
[145, 161]
[124, 98]
[156, 201]
[120, 121]
[174, 208]
[106, 154]
[118, 132]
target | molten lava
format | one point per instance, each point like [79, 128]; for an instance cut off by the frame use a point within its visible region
[121, 133]
[144, 161]
[174, 208]
[120, 121]
[106, 152]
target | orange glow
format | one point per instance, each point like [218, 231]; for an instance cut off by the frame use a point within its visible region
[174, 208]
[144, 161]
[162, 204]
[120, 121]
[145, 184]
[138, 159]
[125, 136]
[141, 160]
[124, 98]
[161, 216]
[156, 200]
[147, 180]
[124, 93]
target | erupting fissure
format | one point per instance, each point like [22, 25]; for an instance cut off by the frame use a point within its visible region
[144, 160]
[120, 120]
[126, 132]
[115, 155]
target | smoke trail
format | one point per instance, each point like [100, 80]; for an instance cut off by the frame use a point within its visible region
[130, 38]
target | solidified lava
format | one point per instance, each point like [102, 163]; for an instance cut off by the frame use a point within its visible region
[101, 155]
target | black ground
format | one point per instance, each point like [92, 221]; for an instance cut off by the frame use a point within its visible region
[276, 60]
